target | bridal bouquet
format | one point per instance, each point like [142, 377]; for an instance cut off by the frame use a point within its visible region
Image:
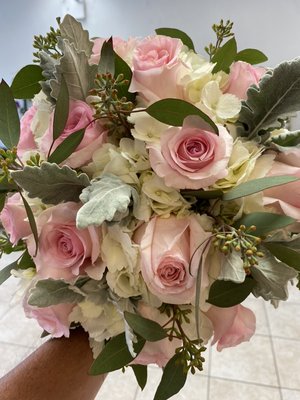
[149, 190]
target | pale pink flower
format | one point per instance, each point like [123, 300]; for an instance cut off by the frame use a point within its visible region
[64, 251]
[191, 157]
[242, 76]
[14, 219]
[124, 49]
[26, 141]
[80, 117]
[232, 325]
[167, 246]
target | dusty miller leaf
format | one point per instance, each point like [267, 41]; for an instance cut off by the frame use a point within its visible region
[104, 200]
[48, 65]
[51, 183]
[232, 268]
[286, 140]
[72, 30]
[75, 68]
[277, 96]
[48, 292]
[272, 278]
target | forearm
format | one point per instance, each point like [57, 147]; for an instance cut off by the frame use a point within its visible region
[56, 370]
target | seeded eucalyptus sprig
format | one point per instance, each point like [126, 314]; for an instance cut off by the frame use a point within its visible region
[47, 43]
[191, 350]
[222, 32]
[109, 106]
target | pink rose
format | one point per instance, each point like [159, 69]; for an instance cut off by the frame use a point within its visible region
[14, 219]
[158, 352]
[232, 325]
[290, 156]
[157, 68]
[123, 48]
[285, 198]
[191, 157]
[80, 117]
[64, 251]
[167, 246]
[242, 76]
[26, 141]
[53, 319]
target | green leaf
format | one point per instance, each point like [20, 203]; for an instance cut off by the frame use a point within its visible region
[265, 222]
[141, 374]
[115, 355]
[6, 186]
[26, 83]
[173, 379]
[77, 71]
[251, 56]
[276, 97]
[48, 292]
[9, 118]
[31, 221]
[284, 253]
[61, 111]
[72, 30]
[5, 272]
[203, 194]
[272, 277]
[257, 185]
[107, 58]
[2, 200]
[26, 261]
[225, 56]
[121, 67]
[177, 34]
[146, 328]
[103, 200]
[174, 111]
[228, 294]
[286, 139]
[67, 147]
[51, 183]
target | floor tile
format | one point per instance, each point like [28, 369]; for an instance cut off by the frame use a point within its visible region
[11, 355]
[288, 360]
[282, 320]
[294, 294]
[249, 362]
[118, 386]
[195, 387]
[231, 390]
[290, 394]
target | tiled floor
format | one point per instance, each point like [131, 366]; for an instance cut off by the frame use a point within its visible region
[267, 368]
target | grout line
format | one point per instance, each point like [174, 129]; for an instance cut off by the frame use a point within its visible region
[273, 352]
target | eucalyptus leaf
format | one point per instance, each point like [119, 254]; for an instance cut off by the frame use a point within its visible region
[257, 185]
[104, 199]
[203, 194]
[272, 277]
[48, 292]
[78, 73]
[176, 34]
[225, 56]
[232, 268]
[61, 111]
[121, 67]
[72, 30]
[265, 222]
[173, 379]
[2, 200]
[67, 147]
[51, 183]
[285, 254]
[286, 139]
[26, 82]
[5, 272]
[276, 97]
[9, 118]
[141, 374]
[228, 294]
[26, 261]
[146, 328]
[32, 222]
[6, 186]
[115, 355]
[174, 111]
[251, 56]
[107, 58]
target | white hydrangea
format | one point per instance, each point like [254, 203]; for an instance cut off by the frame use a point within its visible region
[146, 128]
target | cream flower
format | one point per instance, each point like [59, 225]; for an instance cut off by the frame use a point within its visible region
[146, 128]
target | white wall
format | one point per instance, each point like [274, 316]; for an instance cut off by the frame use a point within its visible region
[270, 25]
